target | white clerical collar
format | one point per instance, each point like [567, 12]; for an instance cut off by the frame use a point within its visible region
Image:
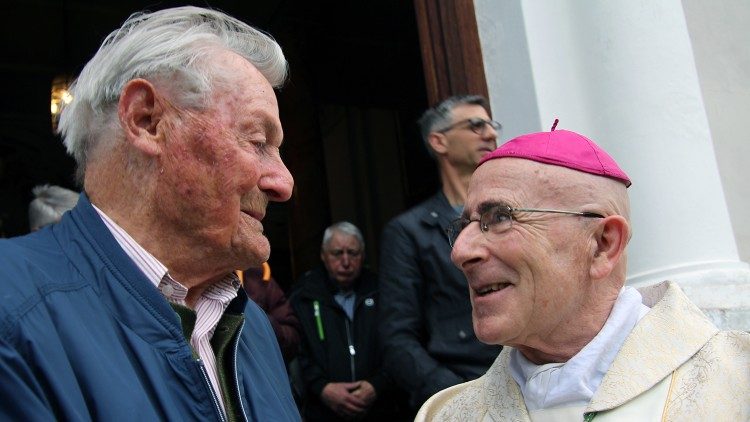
[574, 382]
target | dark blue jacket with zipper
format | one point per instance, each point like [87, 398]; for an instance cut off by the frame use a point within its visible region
[85, 336]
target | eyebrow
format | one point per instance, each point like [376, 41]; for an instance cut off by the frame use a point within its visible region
[483, 207]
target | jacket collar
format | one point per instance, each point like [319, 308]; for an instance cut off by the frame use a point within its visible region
[122, 287]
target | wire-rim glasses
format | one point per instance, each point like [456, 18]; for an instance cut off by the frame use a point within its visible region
[499, 218]
[475, 124]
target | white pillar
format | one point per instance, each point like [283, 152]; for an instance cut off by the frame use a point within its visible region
[624, 75]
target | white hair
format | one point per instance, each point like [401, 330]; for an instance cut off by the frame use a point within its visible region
[346, 228]
[50, 204]
[169, 45]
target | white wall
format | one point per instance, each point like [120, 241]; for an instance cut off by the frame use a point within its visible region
[720, 35]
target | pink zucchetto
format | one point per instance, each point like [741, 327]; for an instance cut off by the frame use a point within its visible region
[561, 148]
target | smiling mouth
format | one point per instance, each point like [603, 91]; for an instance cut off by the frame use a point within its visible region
[484, 291]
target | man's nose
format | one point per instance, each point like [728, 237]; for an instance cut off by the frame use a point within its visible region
[466, 249]
[278, 182]
[490, 134]
[345, 259]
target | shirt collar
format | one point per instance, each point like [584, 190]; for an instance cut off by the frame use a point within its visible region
[574, 382]
[224, 290]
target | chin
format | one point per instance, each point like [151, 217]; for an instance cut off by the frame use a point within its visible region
[488, 337]
[488, 331]
[254, 253]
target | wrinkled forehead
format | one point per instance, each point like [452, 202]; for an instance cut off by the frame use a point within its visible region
[523, 183]
[340, 239]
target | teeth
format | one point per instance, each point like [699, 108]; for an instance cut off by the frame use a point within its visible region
[492, 288]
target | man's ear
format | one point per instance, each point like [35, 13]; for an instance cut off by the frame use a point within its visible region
[140, 110]
[611, 238]
[438, 142]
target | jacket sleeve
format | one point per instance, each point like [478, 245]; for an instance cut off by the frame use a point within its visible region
[402, 324]
[380, 380]
[283, 320]
[22, 395]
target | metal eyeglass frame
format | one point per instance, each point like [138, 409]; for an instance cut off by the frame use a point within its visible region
[456, 226]
[474, 125]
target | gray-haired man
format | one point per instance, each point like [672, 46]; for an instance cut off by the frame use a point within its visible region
[128, 309]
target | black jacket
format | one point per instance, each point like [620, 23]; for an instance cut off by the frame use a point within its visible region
[426, 325]
[326, 358]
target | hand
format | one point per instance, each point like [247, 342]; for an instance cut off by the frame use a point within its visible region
[366, 392]
[340, 398]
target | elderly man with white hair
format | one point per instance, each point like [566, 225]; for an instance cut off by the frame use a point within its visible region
[542, 242]
[128, 309]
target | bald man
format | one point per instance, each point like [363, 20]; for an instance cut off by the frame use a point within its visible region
[546, 264]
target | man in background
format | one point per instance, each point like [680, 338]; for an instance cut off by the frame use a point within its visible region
[127, 309]
[425, 310]
[340, 360]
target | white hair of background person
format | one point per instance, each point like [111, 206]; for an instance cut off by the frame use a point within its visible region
[168, 46]
[346, 228]
[49, 204]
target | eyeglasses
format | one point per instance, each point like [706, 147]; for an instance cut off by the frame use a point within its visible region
[476, 125]
[499, 218]
[339, 253]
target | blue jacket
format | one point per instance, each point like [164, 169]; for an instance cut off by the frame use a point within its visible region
[85, 336]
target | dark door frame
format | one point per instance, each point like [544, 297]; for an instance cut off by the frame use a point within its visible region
[451, 51]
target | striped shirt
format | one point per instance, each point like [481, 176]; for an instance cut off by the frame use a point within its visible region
[209, 308]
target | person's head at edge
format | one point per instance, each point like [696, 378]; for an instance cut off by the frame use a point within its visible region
[342, 252]
[49, 204]
[458, 132]
[547, 284]
[175, 130]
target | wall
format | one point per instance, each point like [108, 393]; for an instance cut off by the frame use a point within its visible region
[720, 37]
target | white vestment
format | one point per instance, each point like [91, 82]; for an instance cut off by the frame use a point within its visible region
[675, 362]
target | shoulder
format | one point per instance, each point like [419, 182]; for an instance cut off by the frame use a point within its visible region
[310, 285]
[726, 353]
[715, 383]
[311, 282]
[431, 206]
[419, 222]
[493, 396]
[458, 403]
[30, 266]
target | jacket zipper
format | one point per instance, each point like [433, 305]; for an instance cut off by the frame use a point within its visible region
[236, 377]
[211, 389]
[352, 352]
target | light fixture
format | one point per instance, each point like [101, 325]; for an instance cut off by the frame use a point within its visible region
[60, 98]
